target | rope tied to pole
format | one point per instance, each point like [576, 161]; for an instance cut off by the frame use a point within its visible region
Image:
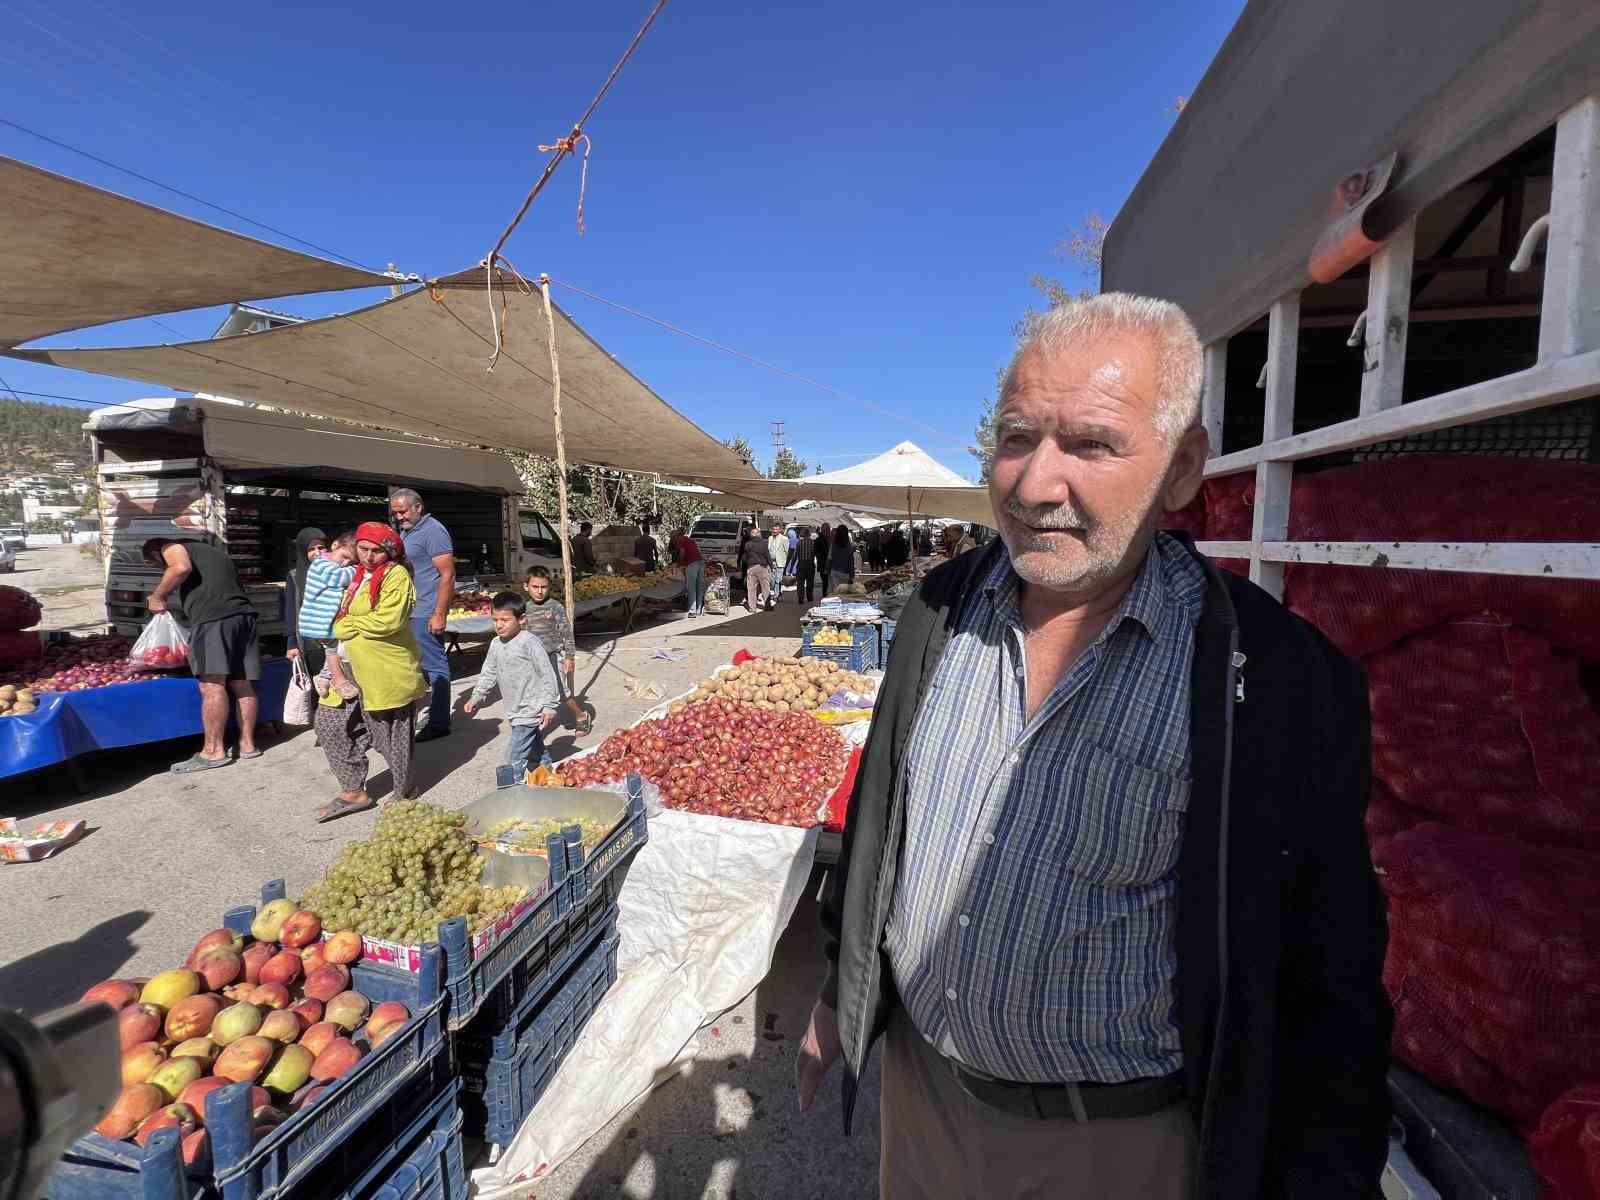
[499, 324]
[568, 145]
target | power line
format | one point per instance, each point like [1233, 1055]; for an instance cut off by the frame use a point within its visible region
[10, 389]
[750, 358]
[239, 216]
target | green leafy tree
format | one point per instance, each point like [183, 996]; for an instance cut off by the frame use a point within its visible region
[786, 466]
[741, 447]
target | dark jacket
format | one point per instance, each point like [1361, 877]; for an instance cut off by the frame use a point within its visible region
[805, 552]
[1280, 927]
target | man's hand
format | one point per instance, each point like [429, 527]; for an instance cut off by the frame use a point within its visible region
[470, 707]
[293, 653]
[569, 667]
[436, 624]
[156, 603]
[819, 1049]
[549, 721]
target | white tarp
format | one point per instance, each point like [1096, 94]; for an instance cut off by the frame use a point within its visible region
[72, 255]
[700, 916]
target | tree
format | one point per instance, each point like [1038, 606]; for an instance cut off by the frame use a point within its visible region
[786, 466]
[741, 447]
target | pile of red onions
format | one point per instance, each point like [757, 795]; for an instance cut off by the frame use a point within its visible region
[725, 759]
[85, 663]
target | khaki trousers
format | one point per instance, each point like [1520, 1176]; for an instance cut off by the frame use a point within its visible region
[941, 1144]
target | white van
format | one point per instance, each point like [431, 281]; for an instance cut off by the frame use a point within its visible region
[717, 536]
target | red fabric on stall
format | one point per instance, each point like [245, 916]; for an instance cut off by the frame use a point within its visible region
[839, 802]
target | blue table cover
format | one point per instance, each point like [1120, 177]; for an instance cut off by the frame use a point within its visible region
[122, 714]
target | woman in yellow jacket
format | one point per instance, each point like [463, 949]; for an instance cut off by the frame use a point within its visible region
[374, 627]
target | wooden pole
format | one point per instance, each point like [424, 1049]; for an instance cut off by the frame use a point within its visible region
[561, 450]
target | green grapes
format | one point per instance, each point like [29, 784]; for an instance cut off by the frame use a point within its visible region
[417, 869]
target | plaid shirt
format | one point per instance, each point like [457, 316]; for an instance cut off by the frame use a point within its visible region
[1031, 932]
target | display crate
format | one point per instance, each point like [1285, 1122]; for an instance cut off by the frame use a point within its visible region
[613, 853]
[435, 1169]
[368, 1106]
[512, 1087]
[885, 640]
[494, 1035]
[860, 655]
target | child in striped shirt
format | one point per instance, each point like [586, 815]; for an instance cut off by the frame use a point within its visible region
[546, 618]
[327, 577]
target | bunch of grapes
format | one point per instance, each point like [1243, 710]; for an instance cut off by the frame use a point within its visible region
[419, 867]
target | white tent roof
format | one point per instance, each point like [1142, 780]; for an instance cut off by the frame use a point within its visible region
[902, 481]
[906, 465]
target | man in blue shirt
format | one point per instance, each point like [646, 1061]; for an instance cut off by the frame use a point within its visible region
[433, 569]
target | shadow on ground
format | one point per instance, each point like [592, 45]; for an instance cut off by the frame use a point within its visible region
[732, 1128]
[61, 973]
[780, 622]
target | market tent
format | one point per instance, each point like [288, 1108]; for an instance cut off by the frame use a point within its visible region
[417, 364]
[72, 255]
[903, 481]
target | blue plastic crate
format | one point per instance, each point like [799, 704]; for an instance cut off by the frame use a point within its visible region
[388, 1088]
[493, 1035]
[615, 851]
[860, 655]
[885, 640]
[511, 1087]
[96, 1168]
[433, 1167]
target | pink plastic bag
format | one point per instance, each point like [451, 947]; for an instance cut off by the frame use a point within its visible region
[162, 646]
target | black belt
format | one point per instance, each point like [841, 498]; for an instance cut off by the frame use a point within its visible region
[1080, 1102]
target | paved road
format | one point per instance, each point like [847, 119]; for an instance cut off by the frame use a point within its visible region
[167, 854]
[68, 582]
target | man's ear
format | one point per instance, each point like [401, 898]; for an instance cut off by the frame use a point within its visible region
[1187, 471]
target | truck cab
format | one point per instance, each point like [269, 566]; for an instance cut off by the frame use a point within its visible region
[532, 540]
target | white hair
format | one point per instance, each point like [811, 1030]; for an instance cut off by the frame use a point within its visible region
[1180, 360]
[408, 495]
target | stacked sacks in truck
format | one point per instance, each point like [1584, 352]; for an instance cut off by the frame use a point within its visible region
[1485, 697]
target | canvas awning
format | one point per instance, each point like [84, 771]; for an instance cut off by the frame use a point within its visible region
[72, 255]
[1304, 93]
[903, 480]
[416, 364]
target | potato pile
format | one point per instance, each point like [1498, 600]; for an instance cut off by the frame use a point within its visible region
[16, 702]
[780, 684]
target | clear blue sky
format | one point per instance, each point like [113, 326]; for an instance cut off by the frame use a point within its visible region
[857, 192]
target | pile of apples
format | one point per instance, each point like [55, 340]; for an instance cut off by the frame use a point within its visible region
[276, 1012]
[84, 663]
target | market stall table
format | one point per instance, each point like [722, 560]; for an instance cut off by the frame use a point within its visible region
[70, 724]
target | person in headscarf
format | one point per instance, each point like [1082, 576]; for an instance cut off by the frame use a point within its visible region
[308, 543]
[374, 622]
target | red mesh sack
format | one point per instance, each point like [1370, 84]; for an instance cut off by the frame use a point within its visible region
[1424, 1040]
[1538, 905]
[1230, 503]
[1489, 729]
[20, 648]
[1387, 817]
[18, 609]
[1566, 1145]
[1559, 998]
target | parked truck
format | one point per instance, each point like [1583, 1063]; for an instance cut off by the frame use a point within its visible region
[247, 479]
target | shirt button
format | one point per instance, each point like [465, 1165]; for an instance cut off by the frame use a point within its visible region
[988, 839]
[1015, 759]
[963, 920]
[949, 993]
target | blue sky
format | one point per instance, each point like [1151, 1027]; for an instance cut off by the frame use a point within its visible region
[856, 192]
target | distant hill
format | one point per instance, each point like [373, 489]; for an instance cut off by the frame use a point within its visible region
[33, 437]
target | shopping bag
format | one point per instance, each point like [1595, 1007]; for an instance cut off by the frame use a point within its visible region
[163, 646]
[300, 701]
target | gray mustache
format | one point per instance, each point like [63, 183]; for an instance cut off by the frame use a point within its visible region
[1062, 517]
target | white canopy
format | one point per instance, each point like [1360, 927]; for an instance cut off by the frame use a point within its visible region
[902, 481]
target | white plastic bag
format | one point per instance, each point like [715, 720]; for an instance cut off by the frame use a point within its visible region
[163, 646]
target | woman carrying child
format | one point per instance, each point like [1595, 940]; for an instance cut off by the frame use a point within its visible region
[374, 623]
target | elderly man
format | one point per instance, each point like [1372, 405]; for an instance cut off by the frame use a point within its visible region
[778, 551]
[433, 570]
[1110, 908]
